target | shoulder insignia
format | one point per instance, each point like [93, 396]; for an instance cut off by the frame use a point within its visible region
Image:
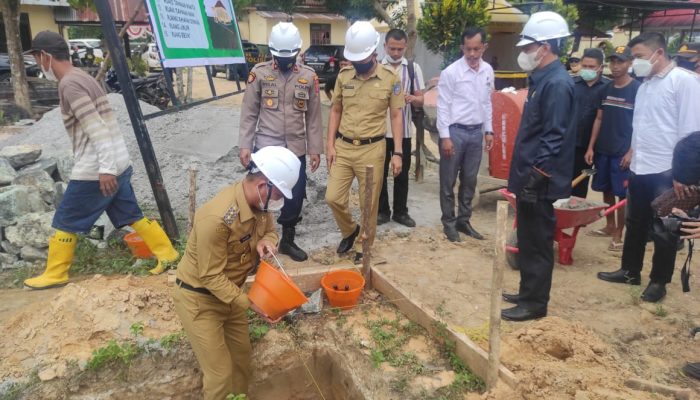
[302, 81]
[230, 215]
[251, 77]
[270, 77]
[397, 89]
[317, 86]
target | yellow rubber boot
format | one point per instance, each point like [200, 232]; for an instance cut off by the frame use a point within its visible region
[157, 241]
[61, 249]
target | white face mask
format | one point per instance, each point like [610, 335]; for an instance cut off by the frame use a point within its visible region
[48, 73]
[641, 67]
[391, 60]
[528, 61]
[272, 204]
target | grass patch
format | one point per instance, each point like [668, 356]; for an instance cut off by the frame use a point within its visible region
[388, 338]
[660, 311]
[465, 380]
[17, 389]
[257, 328]
[170, 341]
[114, 353]
[115, 259]
[236, 397]
[635, 293]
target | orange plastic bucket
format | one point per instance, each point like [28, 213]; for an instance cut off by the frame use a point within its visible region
[137, 246]
[343, 288]
[274, 293]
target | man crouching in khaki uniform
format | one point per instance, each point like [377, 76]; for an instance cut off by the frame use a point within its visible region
[230, 232]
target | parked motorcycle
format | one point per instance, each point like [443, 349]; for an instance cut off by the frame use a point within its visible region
[152, 89]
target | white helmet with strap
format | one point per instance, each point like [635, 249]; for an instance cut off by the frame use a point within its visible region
[285, 40]
[543, 26]
[280, 166]
[361, 40]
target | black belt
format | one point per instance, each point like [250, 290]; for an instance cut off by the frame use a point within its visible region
[183, 285]
[359, 142]
[467, 127]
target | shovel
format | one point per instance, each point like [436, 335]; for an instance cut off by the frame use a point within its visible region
[584, 174]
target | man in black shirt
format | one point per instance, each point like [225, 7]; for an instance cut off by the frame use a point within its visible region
[609, 147]
[589, 95]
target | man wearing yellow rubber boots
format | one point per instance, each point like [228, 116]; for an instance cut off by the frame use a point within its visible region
[229, 233]
[101, 177]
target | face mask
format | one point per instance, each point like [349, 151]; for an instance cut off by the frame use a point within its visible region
[684, 63]
[363, 68]
[642, 68]
[269, 204]
[528, 61]
[285, 63]
[588, 74]
[48, 73]
[391, 60]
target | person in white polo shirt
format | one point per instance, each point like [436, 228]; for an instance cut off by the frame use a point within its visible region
[666, 111]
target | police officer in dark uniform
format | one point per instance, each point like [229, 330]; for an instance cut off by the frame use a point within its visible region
[540, 172]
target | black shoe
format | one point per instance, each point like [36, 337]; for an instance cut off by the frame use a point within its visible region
[358, 259]
[467, 229]
[405, 220]
[346, 244]
[511, 298]
[620, 276]
[518, 314]
[452, 234]
[654, 292]
[288, 247]
[692, 370]
[382, 218]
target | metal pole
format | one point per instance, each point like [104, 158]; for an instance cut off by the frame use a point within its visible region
[211, 80]
[692, 26]
[132, 105]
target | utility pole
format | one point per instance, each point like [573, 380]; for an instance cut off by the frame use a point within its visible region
[137, 122]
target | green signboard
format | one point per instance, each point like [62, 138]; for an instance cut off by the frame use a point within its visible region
[196, 32]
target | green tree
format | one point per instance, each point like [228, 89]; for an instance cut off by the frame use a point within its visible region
[286, 6]
[444, 21]
[355, 10]
[10, 18]
[239, 6]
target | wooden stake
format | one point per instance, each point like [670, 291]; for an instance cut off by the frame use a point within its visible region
[193, 198]
[366, 248]
[496, 290]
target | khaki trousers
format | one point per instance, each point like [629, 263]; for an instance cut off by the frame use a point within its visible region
[350, 162]
[218, 333]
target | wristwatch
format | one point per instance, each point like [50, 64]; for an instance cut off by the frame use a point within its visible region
[488, 133]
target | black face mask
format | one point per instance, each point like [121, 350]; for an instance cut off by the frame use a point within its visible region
[684, 63]
[363, 68]
[285, 63]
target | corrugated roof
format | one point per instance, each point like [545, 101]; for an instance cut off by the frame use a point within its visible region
[315, 16]
[673, 18]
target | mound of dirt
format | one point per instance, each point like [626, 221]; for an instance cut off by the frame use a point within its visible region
[557, 359]
[81, 317]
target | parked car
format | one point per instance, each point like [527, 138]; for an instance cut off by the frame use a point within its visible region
[254, 54]
[324, 59]
[31, 66]
[151, 57]
[83, 44]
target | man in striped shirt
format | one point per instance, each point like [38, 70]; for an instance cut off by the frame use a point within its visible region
[395, 48]
[101, 177]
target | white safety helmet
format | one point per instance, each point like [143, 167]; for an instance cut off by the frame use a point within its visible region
[280, 166]
[542, 26]
[285, 40]
[360, 41]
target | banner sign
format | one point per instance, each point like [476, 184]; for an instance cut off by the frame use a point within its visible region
[191, 33]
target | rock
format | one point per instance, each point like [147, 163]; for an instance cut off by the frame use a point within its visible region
[45, 164]
[29, 253]
[9, 248]
[59, 191]
[18, 200]
[31, 230]
[7, 173]
[21, 155]
[64, 166]
[7, 260]
[47, 374]
[40, 180]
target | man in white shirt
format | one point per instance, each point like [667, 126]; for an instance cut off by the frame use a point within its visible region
[395, 48]
[666, 111]
[463, 119]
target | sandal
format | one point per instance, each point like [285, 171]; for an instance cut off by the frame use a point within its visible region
[615, 246]
[598, 233]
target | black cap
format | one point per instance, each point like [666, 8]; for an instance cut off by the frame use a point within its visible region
[622, 53]
[574, 59]
[688, 50]
[50, 42]
[595, 54]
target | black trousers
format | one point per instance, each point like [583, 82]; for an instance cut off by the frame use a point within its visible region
[641, 191]
[535, 258]
[400, 182]
[291, 211]
[581, 190]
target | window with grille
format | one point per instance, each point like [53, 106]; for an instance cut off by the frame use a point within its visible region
[320, 34]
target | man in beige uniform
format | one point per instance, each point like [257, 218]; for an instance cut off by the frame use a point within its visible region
[281, 107]
[356, 130]
[230, 232]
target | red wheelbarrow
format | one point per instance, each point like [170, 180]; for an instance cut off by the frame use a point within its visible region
[567, 218]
